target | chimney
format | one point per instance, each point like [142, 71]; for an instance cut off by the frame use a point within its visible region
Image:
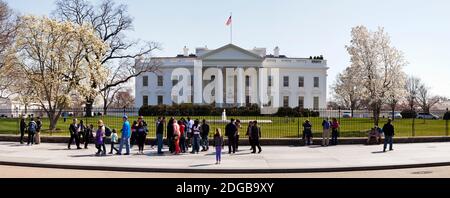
[185, 51]
[276, 52]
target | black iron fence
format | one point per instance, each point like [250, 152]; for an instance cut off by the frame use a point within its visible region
[352, 124]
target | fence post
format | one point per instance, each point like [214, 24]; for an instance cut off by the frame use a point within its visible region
[413, 127]
[298, 127]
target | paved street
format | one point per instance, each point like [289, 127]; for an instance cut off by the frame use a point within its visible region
[272, 157]
[26, 172]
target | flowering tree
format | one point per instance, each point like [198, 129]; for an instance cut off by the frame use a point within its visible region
[58, 59]
[8, 25]
[348, 89]
[111, 22]
[379, 66]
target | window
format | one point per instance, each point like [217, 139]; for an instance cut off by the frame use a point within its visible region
[192, 80]
[316, 103]
[301, 81]
[316, 82]
[301, 102]
[145, 81]
[175, 81]
[286, 81]
[144, 100]
[160, 100]
[269, 81]
[247, 81]
[247, 99]
[160, 81]
[285, 101]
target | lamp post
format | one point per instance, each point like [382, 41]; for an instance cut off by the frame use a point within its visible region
[339, 114]
[18, 119]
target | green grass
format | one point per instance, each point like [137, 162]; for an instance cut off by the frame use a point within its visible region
[280, 127]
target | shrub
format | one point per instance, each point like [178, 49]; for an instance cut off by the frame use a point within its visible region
[197, 110]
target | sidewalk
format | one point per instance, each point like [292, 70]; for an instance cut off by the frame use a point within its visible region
[273, 159]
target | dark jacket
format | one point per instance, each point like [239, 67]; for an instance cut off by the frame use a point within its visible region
[23, 125]
[388, 129]
[170, 129]
[160, 129]
[73, 129]
[230, 129]
[256, 132]
[38, 126]
[205, 130]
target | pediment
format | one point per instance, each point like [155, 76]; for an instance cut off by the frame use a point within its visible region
[230, 52]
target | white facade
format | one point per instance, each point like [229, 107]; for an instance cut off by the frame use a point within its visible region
[244, 76]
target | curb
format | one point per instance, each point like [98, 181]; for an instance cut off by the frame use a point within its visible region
[264, 141]
[225, 171]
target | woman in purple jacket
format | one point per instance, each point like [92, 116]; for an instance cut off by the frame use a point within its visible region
[99, 142]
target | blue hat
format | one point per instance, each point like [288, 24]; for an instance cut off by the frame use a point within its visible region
[125, 116]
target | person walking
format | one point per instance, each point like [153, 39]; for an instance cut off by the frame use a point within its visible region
[230, 132]
[307, 132]
[23, 127]
[326, 125]
[133, 136]
[73, 129]
[159, 134]
[169, 135]
[176, 137]
[205, 134]
[125, 139]
[81, 129]
[182, 137]
[388, 130]
[256, 135]
[141, 135]
[334, 131]
[38, 131]
[156, 128]
[196, 137]
[32, 126]
[249, 131]
[114, 140]
[99, 139]
[218, 144]
[189, 124]
[88, 134]
[236, 137]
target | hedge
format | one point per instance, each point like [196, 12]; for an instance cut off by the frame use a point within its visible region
[197, 110]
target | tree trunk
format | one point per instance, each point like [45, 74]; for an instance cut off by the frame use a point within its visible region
[376, 114]
[53, 120]
[105, 106]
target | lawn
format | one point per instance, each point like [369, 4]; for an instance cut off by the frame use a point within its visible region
[281, 127]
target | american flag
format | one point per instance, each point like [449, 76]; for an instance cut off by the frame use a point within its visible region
[228, 21]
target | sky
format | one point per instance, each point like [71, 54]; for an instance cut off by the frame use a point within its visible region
[301, 28]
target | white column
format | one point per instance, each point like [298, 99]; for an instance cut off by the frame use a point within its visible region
[240, 87]
[198, 82]
[229, 82]
[219, 88]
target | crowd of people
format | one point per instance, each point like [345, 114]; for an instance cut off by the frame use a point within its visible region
[187, 133]
[181, 135]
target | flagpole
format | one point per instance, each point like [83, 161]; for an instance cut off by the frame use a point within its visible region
[231, 28]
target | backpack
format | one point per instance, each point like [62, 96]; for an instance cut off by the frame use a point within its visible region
[107, 132]
[32, 127]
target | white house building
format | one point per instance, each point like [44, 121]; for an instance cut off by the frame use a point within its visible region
[243, 77]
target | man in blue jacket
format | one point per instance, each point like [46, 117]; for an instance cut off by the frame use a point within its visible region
[126, 133]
